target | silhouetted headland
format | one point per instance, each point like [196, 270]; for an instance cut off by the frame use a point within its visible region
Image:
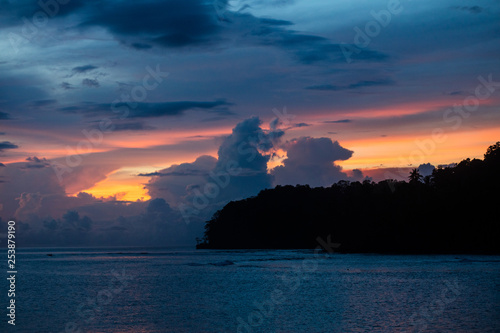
[455, 210]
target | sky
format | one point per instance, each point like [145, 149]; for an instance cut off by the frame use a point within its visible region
[132, 123]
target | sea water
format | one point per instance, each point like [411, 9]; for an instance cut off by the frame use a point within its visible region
[188, 290]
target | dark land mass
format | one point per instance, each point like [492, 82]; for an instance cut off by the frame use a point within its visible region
[455, 210]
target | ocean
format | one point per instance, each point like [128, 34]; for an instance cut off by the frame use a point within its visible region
[187, 290]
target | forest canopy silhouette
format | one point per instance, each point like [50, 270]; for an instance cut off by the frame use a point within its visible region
[454, 210]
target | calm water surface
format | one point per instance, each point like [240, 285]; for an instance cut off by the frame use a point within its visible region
[185, 290]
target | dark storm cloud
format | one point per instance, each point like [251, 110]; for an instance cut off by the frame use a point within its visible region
[83, 69]
[167, 23]
[178, 24]
[7, 145]
[149, 110]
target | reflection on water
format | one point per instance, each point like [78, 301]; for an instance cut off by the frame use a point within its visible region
[184, 290]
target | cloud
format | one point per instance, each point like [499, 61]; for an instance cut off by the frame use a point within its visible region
[176, 182]
[311, 161]
[166, 23]
[357, 175]
[196, 23]
[7, 145]
[43, 103]
[83, 69]
[35, 163]
[206, 184]
[29, 204]
[426, 169]
[352, 86]
[12, 12]
[246, 148]
[382, 173]
[141, 46]
[470, 9]
[4, 116]
[92, 83]
[324, 87]
[38, 176]
[149, 110]
[342, 121]
[132, 126]
[307, 48]
[301, 125]
[66, 86]
[69, 230]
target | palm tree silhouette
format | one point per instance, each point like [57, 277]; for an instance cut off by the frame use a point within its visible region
[415, 176]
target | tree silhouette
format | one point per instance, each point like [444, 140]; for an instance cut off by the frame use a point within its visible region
[415, 176]
[452, 211]
[493, 153]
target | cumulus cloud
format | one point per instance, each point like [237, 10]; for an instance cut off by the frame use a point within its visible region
[247, 149]
[426, 169]
[177, 182]
[311, 161]
[205, 185]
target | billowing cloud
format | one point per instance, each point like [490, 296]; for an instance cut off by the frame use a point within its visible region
[177, 182]
[426, 169]
[240, 171]
[311, 161]
[245, 150]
